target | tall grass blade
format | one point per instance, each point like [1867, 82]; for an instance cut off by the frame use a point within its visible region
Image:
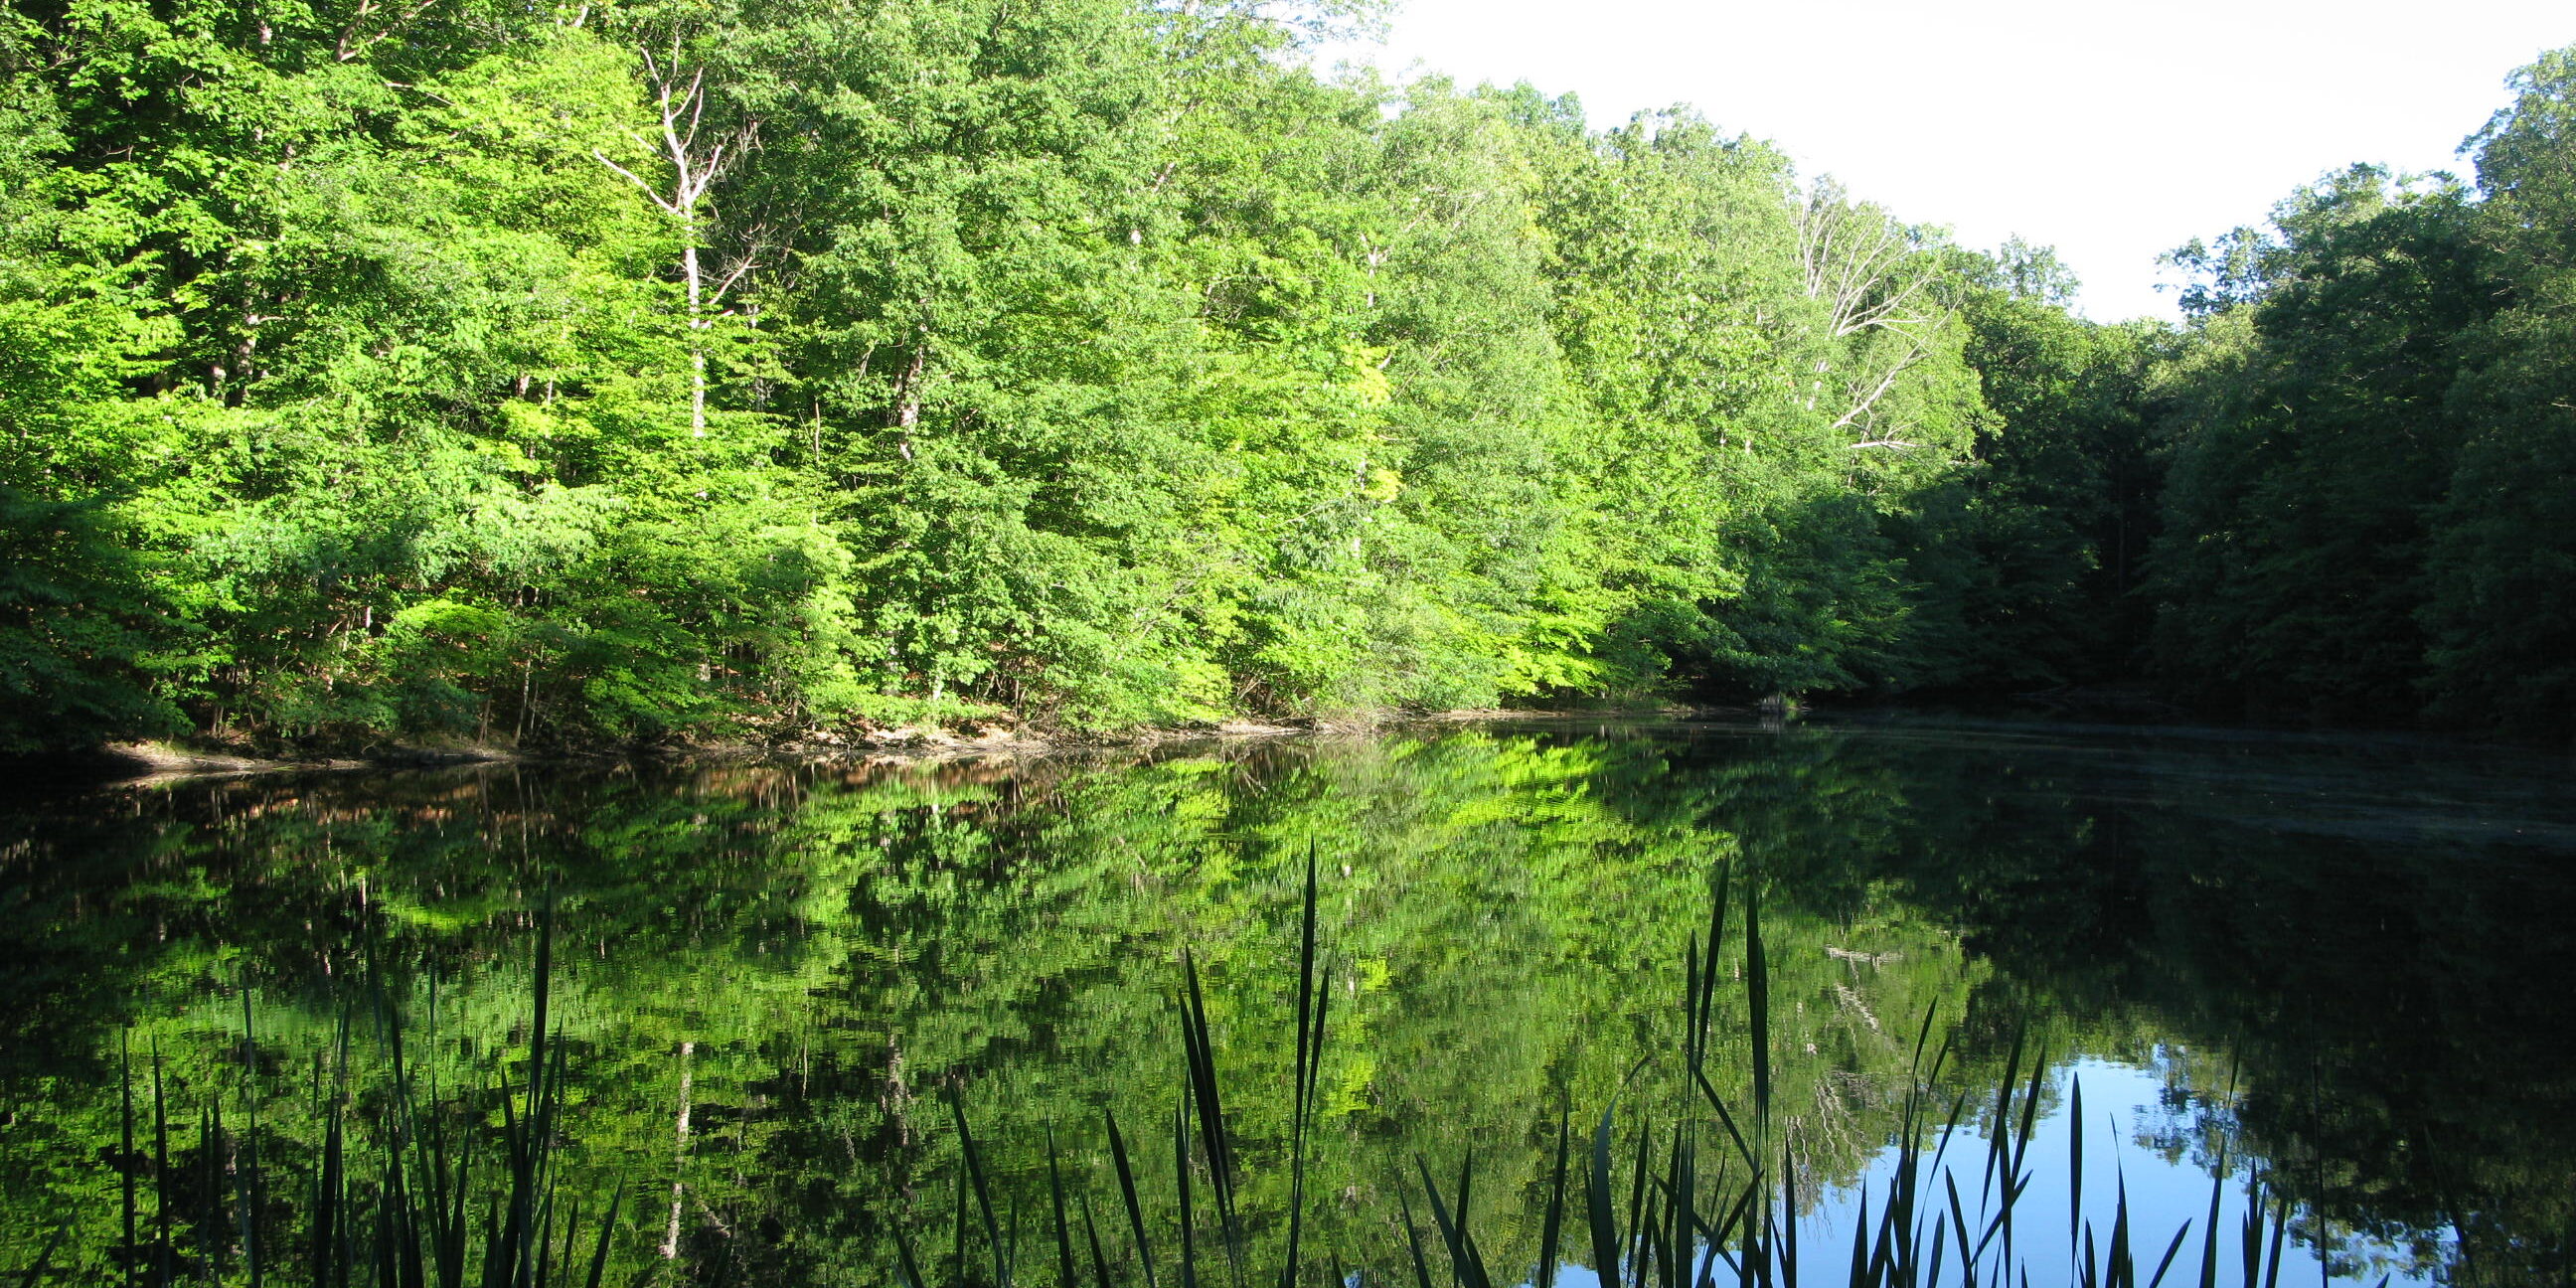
[1413, 1242]
[1789, 1202]
[1597, 1206]
[1757, 985]
[529, 1136]
[1968, 1257]
[1127, 1191]
[2165, 1262]
[1905, 1202]
[983, 1190]
[1720, 880]
[1692, 987]
[1464, 1262]
[1200, 1049]
[957, 1225]
[210, 1147]
[2209, 1229]
[2020, 1176]
[1717, 1234]
[1641, 1224]
[161, 1170]
[548, 1246]
[1685, 1187]
[1091, 1235]
[1882, 1254]
[1554, 1224]
[1654, 1241]
[1949, 1130]
[1757, 990]
[1181, 1170]
[452, 1255]
[1860, 1277]
[1717, 1103]
[326, 1198]
[608, 1228]
[1063, 1224]
[44, 1258]
[382, 1242]
[506, 1225]
[2075, 1156]
[2280, 1225]
[131, 1256]
[1999, 1141]
[906, 1265]
[1306, 1038]
[1466, 1191]
[2124, 1270]
[2250, 1246]
[1314, 994]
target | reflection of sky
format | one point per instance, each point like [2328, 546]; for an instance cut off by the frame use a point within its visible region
[2131, 1109]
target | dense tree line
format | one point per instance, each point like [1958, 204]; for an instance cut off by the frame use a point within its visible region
[2369, 512]
[720, 368]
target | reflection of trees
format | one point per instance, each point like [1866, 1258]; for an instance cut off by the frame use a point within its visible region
[835, 947]
[2375, 997]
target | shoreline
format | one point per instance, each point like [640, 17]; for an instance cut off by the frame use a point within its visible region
[143, 763]
[146, 763]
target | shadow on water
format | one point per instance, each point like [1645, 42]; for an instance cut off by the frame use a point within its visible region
[2336, 968]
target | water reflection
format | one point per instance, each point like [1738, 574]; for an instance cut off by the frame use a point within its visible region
[2341, 964]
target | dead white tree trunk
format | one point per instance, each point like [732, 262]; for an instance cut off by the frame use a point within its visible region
[695, 167]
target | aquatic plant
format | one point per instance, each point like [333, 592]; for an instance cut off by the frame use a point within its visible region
[399, 1192]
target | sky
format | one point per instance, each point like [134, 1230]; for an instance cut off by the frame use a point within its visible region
[2113, 131]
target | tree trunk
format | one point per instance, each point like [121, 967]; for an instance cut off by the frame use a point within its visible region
[679, 1157]
[697, 329]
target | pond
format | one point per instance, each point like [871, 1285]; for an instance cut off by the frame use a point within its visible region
[803, 1021]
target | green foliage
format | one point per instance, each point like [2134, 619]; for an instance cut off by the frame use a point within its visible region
[663, 372]
[2501, 622]
[2294, 557]
[674, 371]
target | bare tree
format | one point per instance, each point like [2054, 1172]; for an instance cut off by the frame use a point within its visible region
[1861, 264]
[696, 164]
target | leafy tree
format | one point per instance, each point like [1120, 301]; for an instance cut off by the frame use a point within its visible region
[2295, 542]
[2499, 617]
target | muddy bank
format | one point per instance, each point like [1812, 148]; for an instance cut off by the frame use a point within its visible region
[165, 760]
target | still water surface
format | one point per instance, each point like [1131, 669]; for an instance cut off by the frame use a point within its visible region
[2341, 968]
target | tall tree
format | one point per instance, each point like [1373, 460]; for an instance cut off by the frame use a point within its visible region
[2502, 614]
[2294, 546]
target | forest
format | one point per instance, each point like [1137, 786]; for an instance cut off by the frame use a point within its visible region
[667, 371]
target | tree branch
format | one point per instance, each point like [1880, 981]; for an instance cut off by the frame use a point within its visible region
[631, 177]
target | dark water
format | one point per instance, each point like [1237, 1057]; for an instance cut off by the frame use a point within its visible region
[2341, 969]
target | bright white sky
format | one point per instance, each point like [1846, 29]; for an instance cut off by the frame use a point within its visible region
[2110, 129]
